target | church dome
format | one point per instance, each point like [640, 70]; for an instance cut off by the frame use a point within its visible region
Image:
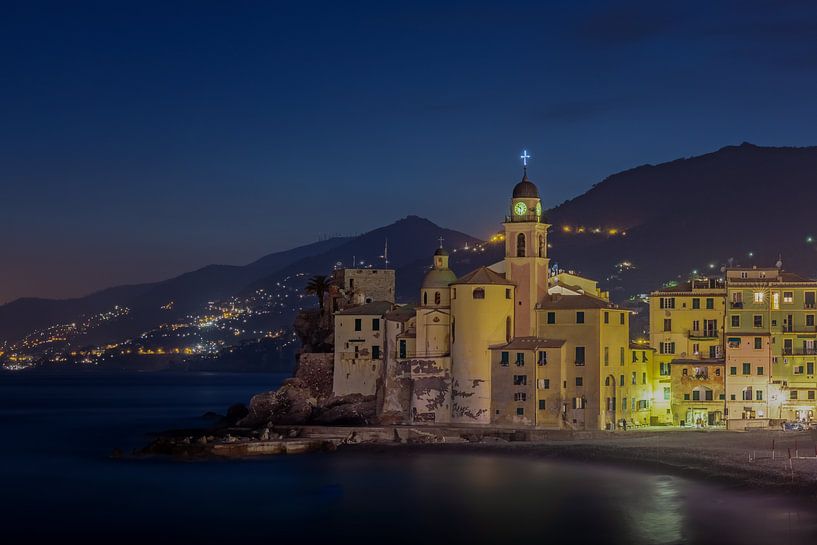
[525, 189]
[440, 251]
[438, 278]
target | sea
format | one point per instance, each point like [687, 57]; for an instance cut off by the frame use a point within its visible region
[59, 482]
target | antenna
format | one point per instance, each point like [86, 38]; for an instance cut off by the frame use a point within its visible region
[386, 252]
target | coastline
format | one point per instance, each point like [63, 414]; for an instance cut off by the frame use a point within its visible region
[725, 460]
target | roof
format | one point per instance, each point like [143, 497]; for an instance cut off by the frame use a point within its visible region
[525, 188]
[699, 362]
[440, 251]
[438, 278]
[401, 314]
[569, 302]
[640, 346]
[530, 343]
[483, 275]
[375, 308]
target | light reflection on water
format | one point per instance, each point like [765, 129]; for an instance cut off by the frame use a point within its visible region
[58, 484]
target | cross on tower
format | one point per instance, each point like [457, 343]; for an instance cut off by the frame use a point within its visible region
[441, 241]
[524, 158]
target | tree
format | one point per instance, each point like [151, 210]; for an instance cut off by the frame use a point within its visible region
[318, 285]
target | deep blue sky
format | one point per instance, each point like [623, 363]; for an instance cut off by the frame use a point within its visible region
[139, 140]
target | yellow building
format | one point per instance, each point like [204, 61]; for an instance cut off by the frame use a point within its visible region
[686, 323]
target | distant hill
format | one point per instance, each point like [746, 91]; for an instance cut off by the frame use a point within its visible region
[690, 213]
[678, 216]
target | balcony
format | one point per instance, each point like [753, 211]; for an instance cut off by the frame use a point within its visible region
[800, 351]
[703, 334]
[736, 304]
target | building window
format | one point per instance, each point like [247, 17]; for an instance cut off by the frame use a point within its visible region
[375, 352]
[735, 320]
[666, 393]
[759, 297]
[759, 395]
[375, 324]
[542, 358]
[479, 293]
[425, 297]
[717, 372]
[520, 380]
[747, 369]
[667, 302]
[437, 298]
[686, 397]
[507, 329]
[788, 297]
[643, 378]
[758, 320]
[685, 371]
[520, 359]
[634, 356]
[551, 317]
[733, 370]
[666, 348]
[504, 359]
[621, 380]
[579, 403]
[621, 318]
[621, 355]
[541, 246]
[696, 395]
[710, 303]
[793, 394]
[664, 369]
[541, 404]
[758, 343]
[580, 317]
[760, 371]
[606, 317]
[810, 368]
[809, 299]
[520, 396]
[520, 245]
[543, 384]
[358, 324]
[667, 324]
[579, 381]
[507, 293]
[606, 355]
[579, 355]
[402, 348]
[520, 411]
[747, 394]
[810, 320]
[811, 394]
[634, 377]
[696, 303]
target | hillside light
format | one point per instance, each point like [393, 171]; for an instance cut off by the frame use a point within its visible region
[809, 239]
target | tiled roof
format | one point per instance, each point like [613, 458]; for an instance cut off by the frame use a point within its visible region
[530, 343]
[483, 275]
[569, 302]
[401, 314]
[375, 308]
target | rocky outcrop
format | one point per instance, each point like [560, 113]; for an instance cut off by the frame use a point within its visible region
[352, 409]
[292, 403]
[315, 370]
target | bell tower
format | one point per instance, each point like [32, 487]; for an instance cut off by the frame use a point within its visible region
[526, 260]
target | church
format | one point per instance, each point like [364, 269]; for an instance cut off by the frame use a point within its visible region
[509, 344]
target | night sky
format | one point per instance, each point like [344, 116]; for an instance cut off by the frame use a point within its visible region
[140, 140]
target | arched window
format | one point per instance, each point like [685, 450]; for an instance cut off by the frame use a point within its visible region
[479, 293]
[607, 381]
[541, 246]
[508, 329]
[436, 298]
[425, 297]
[520, 245]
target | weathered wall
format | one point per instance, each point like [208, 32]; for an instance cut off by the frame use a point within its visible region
[315, 369]
[430, 389]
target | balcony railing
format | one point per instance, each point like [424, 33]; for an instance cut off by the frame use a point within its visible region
[703, 334]
[800, 351]
[736, 304]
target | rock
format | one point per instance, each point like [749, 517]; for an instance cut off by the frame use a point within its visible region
[230, 439]
[201, 440]
[316, 372]
[293, 433]
[352, 409]
[264, 435]
[235, 413]
[210, 415]
[292, 403]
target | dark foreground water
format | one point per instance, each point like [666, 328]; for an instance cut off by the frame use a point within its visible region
[58, 483]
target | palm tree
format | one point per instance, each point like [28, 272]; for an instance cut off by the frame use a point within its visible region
[319, 285]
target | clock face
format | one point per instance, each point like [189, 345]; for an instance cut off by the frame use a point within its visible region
[538, 209]
[520, 208]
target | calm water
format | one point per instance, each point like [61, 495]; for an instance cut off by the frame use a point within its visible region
[58, 483]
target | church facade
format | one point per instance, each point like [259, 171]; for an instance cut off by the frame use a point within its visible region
[507, 344]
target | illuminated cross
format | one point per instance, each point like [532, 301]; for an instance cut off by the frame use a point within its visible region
[524, 158]
[441, 241]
